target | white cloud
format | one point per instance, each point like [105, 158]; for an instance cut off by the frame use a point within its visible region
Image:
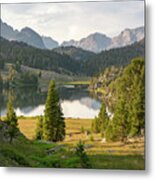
[65, 21]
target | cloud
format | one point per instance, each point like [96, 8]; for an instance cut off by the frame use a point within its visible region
[65, 21]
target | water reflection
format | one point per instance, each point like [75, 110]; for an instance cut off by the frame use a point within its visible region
[81, 108]
[75, 102]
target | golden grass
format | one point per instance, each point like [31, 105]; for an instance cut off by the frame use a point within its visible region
[27, 127]
[74, 134]
[73, 126]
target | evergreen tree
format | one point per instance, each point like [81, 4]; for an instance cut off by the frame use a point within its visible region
[100, 123]
[129, 113]
[11, 120]
[126, 98]
[120, 122]
[95, 125]
[137, 106]
[60, 133]
[39, 130]
[80, 152]
[103, 117]
[53, 123]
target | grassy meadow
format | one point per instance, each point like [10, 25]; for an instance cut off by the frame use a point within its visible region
[102, 155]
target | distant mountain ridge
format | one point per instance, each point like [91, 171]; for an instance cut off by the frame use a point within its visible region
[49, 42]
[128, 37]
[28, 36]
[98, 42]
[95, 42]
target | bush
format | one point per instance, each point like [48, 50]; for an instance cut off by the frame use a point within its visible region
[80, 152]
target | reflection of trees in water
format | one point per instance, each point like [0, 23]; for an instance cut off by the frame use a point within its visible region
[90, 103]
[72, 93]
[24, 97]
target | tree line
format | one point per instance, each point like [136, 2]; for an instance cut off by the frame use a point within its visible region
[18, 53]
[126, 96]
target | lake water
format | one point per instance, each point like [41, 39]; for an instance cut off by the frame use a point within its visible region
[75, 102]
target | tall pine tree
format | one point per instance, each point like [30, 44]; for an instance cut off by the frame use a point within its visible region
[120, 122]
[100, 123]
[39, 130]
[129, 113]
[53, 123]
[11, 120]
[137, 105]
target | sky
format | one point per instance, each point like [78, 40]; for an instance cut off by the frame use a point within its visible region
[66, 21]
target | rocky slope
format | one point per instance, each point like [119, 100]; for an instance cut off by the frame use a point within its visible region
[27, 35]
[98, 42]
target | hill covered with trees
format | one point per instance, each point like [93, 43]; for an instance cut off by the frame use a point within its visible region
[115, 57]
[64, 61]
[122, 114]
[17, 52]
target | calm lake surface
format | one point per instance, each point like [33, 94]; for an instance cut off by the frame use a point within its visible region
[75, 102]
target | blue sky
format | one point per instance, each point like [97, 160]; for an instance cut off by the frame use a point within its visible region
[65, 21]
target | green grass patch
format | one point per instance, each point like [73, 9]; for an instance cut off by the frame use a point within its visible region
[125, 162]
[32, 153]
[77, 83]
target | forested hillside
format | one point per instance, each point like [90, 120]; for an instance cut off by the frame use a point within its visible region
[117, 57]
[72, 61]
[75, 53]
[123, 101]
[23, 54]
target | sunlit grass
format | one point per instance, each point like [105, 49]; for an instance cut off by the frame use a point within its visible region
[108, 155]
[74, 134]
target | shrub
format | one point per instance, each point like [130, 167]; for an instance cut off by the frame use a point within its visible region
[80, 152]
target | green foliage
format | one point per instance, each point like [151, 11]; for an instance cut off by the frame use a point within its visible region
[114, 57]
[75, 53]
[110, 132]
[39, 130]
[100, 123]
[66, 60]
[137, 101]
[11, 120]
[120, 122]
[53, 124]
[129, 105]
[25, 79]
[125, 98]
[12, 155]
[80, 152]
[22, 54]
[95, 125]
